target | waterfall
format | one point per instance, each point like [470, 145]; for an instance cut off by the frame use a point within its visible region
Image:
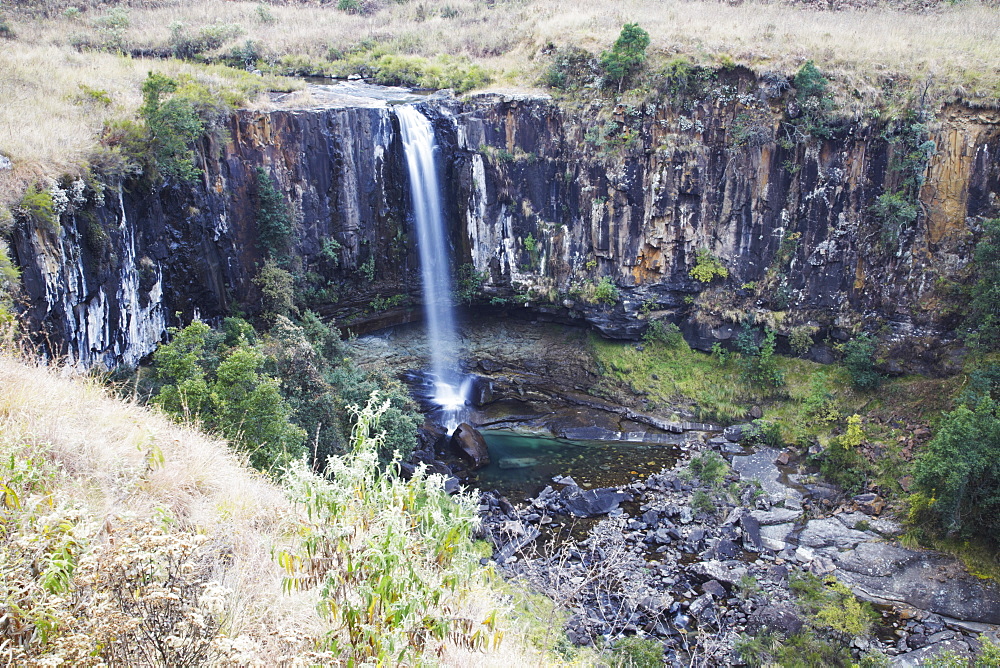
[450, 389]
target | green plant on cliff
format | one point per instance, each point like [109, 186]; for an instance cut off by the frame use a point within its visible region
[707, 267]
[626, 57]
[274, 224]
[894, 213]
[606, 292]
[37, 206]
[173, 127]
[814, 104]
[982, 320]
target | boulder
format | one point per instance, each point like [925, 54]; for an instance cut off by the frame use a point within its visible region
[780, 618]
[726, 572]
[481, 393]
[591, 502]
[921, 657]
[752, 541]
[920, 578]
[471, 445]
[736, 432]
[869, 504]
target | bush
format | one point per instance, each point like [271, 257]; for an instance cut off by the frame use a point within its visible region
[661, 331]
[230, 395]
[626, 57]
[393, 560]
[959, 472]
[813, 100]
[568, 69]
[636, 652]
[759, 366]
[274, 224]
[709, 468]
[707, 267]
[38, 207]
[277, 291]
[606, 292]
[859, 359]
[983, 317]
[173, 126]
[894, 214]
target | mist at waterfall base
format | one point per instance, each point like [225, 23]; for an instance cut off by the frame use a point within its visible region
[446, 387]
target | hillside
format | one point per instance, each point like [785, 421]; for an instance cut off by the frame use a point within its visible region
[127, 538]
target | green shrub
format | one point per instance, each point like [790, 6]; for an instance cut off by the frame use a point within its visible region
[636, 652]
[276, 291]
[815, 103]
[173, 126]
[468, 283]
[831, 605]
[38, 207]
[709, 468]
[894, 214]
[606, 292]
[757, 362]
[983, 316]
[186, 45]
[274, 224]
[393, 560]
[6, 31]
[568, 69]
[800, 339]
[707, 267]
[701, 502]
[959, 471]
[661, 331]
[111, 27]
[626, 57]
[230, 395]
[859, 359]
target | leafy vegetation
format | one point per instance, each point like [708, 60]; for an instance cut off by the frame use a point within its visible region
[707, 267]
[626, 57]
[757, 360]
[393, 560]
[859, 359]
[983, 317]
[958, 473]
[606, 292]
[173, 125]
[279, 396]
[814, 101]
[274, 224]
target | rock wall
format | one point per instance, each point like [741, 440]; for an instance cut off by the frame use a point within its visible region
[545, 198]
[791, 222]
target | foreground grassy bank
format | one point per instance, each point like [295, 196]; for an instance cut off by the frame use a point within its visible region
[127, 538]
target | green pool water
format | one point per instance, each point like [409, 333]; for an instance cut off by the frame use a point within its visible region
[522, 464]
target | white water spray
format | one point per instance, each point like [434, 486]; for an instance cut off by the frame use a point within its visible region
[450, 389]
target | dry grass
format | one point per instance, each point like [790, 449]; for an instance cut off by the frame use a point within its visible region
[49, 122]
[122, 465]
[875, 56]
[108, 456]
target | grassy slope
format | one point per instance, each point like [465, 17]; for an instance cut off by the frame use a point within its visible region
[71, 456]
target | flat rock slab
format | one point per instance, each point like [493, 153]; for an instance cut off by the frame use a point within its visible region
[775, 536]
[776, 516]
[760, 466]
[921, 656]
[591, 502]
[923, 579]
[830, 533]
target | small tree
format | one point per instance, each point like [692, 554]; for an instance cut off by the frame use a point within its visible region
[627, 55]
[959, 471]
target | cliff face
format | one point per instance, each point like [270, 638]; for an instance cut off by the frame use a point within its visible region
[545, 199]
[792, 223]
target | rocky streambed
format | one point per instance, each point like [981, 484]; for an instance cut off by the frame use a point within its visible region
[604, 513]
[654, 557]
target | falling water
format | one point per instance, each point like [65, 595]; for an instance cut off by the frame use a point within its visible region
[450, 389]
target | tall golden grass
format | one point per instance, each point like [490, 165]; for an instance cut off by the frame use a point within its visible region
[872, 55]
